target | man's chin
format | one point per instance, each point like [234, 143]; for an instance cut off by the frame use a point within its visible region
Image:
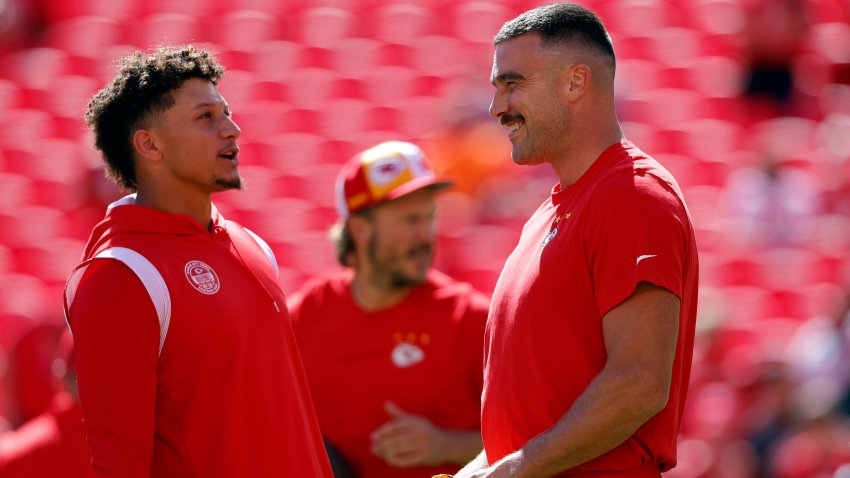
[402, 281]
[226, 184]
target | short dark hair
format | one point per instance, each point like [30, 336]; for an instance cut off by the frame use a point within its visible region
[141, 88]
[560, 23]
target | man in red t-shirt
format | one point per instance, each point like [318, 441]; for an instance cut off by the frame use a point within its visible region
[590, 335]
[392, 348]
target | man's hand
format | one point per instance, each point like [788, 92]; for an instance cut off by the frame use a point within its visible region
[408, 440]
[509, 466]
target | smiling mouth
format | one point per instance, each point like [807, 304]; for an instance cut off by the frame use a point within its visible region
[230, 154]
[513, 122]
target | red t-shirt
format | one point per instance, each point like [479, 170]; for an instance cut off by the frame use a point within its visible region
[424, 354]
[582, 253]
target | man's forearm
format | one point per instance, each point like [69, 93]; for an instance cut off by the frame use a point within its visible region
[609, 411]
[478, 463]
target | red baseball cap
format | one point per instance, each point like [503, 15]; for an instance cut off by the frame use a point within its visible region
[381, 173]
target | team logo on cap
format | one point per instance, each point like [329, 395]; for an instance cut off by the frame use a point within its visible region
[202, 277]
[384, 171]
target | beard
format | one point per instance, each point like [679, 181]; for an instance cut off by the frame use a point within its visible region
[226, 184]
[390, 276]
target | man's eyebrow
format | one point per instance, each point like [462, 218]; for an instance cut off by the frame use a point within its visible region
[208, 104]
[511, 75]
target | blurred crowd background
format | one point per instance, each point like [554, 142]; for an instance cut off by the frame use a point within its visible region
[747, 102]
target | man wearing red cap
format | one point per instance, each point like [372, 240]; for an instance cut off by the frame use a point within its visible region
[388, 342]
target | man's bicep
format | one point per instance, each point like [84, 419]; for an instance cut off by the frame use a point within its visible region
[641, 332]
[116, 341]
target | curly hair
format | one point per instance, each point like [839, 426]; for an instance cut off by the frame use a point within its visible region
[557, 23]
[141, 89]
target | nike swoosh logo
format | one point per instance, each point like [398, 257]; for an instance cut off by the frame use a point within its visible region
[646, 256]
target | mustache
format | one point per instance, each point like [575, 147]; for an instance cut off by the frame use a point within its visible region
[420, 250]
[506, 118]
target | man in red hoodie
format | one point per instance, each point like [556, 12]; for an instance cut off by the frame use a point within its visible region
[186, 361]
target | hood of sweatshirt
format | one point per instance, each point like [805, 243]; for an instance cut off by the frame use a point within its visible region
[124, 216]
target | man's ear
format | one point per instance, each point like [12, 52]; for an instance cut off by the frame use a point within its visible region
[146, 144]
[576, 81]
[360, 227]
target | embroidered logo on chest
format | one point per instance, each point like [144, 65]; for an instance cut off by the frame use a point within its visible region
[407, 351]
[202, 277]
[554, 231]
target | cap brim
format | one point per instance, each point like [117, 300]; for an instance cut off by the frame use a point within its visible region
[434, 183]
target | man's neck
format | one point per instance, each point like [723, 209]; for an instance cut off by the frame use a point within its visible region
[371, 296]
[197, 207]
[576, 161]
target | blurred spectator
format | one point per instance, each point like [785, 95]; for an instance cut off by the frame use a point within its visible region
[820, 356]
[28, 376]
[769, 204]
[775, 33]
[52, 444]
[816, 449]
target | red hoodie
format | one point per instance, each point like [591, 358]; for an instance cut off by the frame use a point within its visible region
[186, 361]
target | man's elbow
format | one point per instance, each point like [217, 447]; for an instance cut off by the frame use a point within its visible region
[653, 396]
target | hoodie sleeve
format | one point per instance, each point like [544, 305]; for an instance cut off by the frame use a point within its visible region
[116, 340]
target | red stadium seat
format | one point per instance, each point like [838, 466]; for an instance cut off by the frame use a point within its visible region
[85, 35]
[16, 190]
[638, 17]
[345, 117]
[675, 45]
[663, 107]
[196, 8]
[31, 224]
[402, 23]
[388, 84]
[435, 53]
[315, 86]
[309, 252]
[237, 87]
[713, 139]
[24, 126]
[783, 137]
[169, 29]
[715, 76]
[478, 21]
[49, 262]
[245, 30]
[635, 76]
[355, 55]
[35, 67]
[326, 26]
[69, 94]
[275, 60]
[723, 17]
[9, 95]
